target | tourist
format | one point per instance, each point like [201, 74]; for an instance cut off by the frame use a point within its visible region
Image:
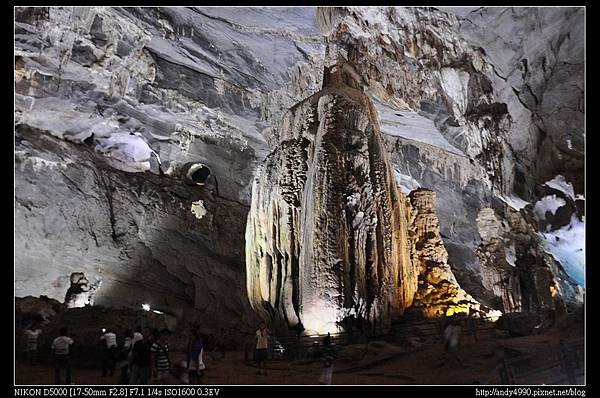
[195, 364]
[221, 342]
[210, 344]
[122, 361]
[60, 353]
[262, 345]
[110, 350]
[155, 335]
[137, 335]
[452, 337]
[159, 360]
[32, 333]
[141, 360]
[328, 360]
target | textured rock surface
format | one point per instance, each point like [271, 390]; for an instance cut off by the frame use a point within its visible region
[437, 87]
[483, 106]
[132, 235]
[81, 292]
[153, 91]
[538, 52]
[518, 323]
[326, 239]
[438, 293]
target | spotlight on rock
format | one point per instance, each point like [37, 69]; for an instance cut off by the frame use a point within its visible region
[146, 307]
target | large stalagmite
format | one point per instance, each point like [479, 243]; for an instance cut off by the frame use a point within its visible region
[439, 293]
[326, 240]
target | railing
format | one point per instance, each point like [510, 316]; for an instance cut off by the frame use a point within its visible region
[432, 330]
[429, 330]
[305, 346]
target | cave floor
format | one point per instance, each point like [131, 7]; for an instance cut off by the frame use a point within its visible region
[424, 365]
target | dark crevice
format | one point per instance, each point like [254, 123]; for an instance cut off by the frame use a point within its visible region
[108, 188]
[497, 74]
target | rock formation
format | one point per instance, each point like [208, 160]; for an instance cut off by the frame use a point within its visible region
[81, 292]
[439, 294]
[461, 111]
[326, 239]
[114, 106]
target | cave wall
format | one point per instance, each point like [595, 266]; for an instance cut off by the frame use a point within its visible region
[133, 236]
[455, 123]
[465, 110]
[113, 105]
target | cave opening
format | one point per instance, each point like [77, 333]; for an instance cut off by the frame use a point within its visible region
[200, 175]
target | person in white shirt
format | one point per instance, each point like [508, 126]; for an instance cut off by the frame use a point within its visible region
[137, 335]
[32, 333]
[262, 345]
[452, 337]
[124, 357]
[60, 352]
[110, 351]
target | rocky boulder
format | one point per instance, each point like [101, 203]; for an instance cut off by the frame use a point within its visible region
[519, 323]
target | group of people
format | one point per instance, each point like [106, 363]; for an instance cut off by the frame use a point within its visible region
[143, 355]
[326, 353]
[140, 356]
[60, 351]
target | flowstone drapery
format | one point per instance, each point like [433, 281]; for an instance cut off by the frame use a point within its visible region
[326, 239]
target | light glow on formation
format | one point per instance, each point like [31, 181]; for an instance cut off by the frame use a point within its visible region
[320, 322]
[494, 315]
[146, 307]
[157, 312]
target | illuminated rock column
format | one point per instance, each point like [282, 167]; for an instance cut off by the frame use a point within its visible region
[327, 231]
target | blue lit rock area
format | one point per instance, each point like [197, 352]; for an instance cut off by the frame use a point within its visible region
[396, 194]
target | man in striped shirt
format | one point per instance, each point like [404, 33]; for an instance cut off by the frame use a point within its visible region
[159, 352]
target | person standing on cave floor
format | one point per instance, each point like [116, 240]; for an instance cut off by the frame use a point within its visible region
[328, 360]
[60, 354]
[124, 356]
[32, 333]
[110, 350]
[195, 364]
[160, 361]
[141, 360]
[452, 337]
[262, 345]
[137, 335]
[210, 345]
[222, 342]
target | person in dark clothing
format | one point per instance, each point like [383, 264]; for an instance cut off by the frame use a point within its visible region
[109, 340]
[195, 364]
[222, 342]
[140, 360]
[328, 360]
[122, 361]
[60, 352]
[211, 343]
